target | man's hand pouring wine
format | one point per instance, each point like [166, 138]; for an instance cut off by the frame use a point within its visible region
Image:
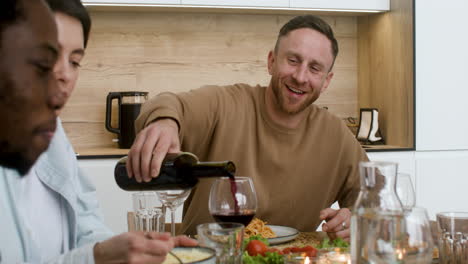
[150, 147]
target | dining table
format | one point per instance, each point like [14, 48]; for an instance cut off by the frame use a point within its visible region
[315, 238]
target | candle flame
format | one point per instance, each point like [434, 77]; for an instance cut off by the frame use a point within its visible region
[399, 254]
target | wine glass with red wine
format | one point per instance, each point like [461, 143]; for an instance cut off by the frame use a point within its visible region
[233, 200]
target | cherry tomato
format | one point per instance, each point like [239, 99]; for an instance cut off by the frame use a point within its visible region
[256, 247]
[310, 251]
[296, 250]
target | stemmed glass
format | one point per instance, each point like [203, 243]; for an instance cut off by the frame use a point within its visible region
[405, 191]
[397, 237]
[233, 200]
[172, 199]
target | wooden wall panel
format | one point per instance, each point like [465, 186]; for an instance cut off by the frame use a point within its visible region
[386, 70]
[162, 51]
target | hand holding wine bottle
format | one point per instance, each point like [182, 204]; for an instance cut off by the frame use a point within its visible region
[179, 171]
[150, 147]
[233, 200]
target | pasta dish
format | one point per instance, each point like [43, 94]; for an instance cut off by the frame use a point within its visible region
[258, 227]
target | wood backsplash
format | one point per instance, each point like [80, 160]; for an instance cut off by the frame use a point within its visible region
[162, 51]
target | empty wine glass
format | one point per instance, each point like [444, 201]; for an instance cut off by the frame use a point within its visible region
[172, 199]
[401, 237]
[233, 200]
[405, 191]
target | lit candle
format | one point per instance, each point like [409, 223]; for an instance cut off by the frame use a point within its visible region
[339, 258]
[400, 253]
[297, 259]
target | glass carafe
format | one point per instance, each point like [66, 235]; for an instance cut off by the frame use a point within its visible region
[377, 195]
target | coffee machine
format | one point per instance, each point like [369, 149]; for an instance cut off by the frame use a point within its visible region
[129, 105]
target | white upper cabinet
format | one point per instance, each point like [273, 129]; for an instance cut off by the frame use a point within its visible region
[328, 5]
[441, 75]
[130, 2]
[378, 5]
[250, 3]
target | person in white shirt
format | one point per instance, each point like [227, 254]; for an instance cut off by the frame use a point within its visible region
[50, 213]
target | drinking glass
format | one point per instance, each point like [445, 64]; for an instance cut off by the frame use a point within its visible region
[149, 213]
[420, 244]
[405, 191]
[401, 238]
[225, 238]
[172, 199]
[233, 200]
[452, 231]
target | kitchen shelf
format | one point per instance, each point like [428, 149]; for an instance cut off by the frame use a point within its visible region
[115, 153]
[104, 152]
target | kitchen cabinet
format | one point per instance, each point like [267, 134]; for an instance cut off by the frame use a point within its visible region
[441, 94]
[405, 160]
[441, 181]
[245, 3]
[129, 2]
[382, 5]
[114, 202]
[324, 5]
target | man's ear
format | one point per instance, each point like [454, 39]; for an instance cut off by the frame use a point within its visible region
[271, 61]
[327, 82]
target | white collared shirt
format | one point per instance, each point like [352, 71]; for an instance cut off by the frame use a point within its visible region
[44, 217]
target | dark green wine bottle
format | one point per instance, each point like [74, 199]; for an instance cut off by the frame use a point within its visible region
[178, 171]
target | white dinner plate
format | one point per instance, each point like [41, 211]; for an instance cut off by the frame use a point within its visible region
[283, 234]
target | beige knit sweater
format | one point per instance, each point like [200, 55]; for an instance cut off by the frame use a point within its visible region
[296, 172]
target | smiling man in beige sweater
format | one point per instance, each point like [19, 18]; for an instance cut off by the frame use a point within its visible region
[300, 157]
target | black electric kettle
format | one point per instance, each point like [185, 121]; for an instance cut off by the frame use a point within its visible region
[129, 105]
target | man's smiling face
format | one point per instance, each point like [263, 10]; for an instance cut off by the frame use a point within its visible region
[300, 69]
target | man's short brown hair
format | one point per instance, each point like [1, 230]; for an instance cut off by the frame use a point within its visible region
[312, 22]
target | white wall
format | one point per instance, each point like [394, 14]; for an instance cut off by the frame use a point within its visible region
[441, 75]
[442, 181]
[441, 52]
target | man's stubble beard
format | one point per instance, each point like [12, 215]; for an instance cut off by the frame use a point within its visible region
[281, 100]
